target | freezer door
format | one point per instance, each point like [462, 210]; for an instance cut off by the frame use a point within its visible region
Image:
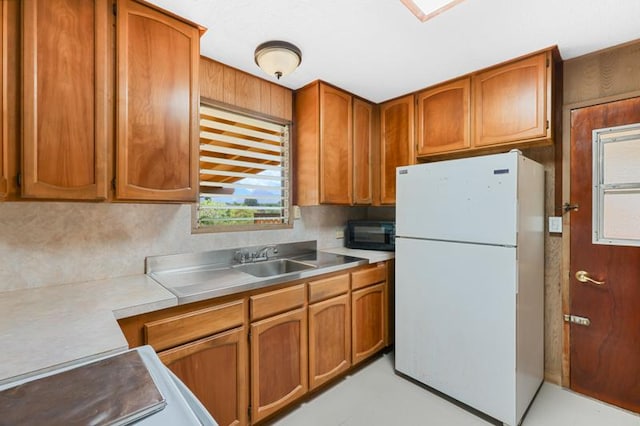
[456, 321]
[472, 200]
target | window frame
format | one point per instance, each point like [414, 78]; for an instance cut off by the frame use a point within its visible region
[196, 228]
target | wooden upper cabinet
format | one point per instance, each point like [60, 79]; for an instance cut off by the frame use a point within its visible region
[363, 132]
[512, 101]
[157, 108]
[65, 106]
[396, 143]
[323, 145]
[444, 119]
[335, 146]
[4, 167]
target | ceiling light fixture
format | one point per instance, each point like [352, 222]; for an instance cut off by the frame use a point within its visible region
[278, 57]
[427, 9]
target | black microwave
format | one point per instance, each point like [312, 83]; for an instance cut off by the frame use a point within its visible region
[371, 235]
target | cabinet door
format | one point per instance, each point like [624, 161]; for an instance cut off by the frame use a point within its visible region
[329, 339]
[510, 102]
[397, 143]
[157, 107]
[64, 104]
[444, 118]
[362, 151]
[368, 321]
[278, 362]
[215, 370]
[3, 104]
[335, 146]
[307, 149]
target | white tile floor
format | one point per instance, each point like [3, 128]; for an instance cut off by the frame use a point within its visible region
[375, 395]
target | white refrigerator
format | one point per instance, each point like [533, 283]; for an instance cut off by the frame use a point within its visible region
[470, 280]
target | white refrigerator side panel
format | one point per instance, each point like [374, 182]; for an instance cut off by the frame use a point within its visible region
[455, 321]
[472, 200]
[530, 302]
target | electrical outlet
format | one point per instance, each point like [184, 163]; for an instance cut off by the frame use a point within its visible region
[339, 233]
[555, 224]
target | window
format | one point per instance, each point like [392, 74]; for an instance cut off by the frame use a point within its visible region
[616, 183]
[244, 172]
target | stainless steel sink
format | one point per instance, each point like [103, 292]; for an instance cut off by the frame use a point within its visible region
[272, 268]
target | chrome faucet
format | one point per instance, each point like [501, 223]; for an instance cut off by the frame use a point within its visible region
[245, 256]
[263, 253]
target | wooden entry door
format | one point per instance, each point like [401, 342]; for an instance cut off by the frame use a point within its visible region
[605, 355]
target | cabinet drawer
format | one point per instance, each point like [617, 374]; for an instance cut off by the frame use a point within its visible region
[275, 302]
[328, 287]
[169, 332]
[371, 275]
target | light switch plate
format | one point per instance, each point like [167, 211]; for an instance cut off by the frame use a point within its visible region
[555, 224]
[296, 212]
[339, 233]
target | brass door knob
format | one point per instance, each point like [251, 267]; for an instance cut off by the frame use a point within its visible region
[583, 277]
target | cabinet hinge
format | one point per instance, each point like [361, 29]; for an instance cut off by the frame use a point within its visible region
[548, 62]
[19, 179]
[249, 413]
[547, 124]
[114, 8]
[113, 184]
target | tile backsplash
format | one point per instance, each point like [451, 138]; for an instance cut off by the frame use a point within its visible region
[50, 243]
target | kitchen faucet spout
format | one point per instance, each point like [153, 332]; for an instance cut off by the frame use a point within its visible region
[263, 253]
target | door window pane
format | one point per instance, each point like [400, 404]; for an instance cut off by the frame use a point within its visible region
[622, 215]
[621, 162]
[616, 183]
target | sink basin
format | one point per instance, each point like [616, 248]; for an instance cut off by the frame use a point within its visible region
[272, 268]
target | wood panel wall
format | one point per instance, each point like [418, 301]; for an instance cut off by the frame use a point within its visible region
[598, 77]
[603, 74]
[240, 90]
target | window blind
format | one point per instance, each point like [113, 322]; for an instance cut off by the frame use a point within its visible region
[244, 170]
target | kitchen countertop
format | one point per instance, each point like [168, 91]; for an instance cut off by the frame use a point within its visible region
[46, 328]
[50, 327]
[373, 256]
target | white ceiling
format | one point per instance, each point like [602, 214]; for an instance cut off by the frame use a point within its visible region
[378, 50]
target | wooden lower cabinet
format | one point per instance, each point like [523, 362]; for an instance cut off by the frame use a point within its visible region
[215, 370]
[248, 356]
[278, 362]
[368, 318]
[329, 339]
